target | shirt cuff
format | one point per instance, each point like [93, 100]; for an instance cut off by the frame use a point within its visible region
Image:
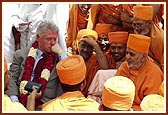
[14, 98]
[63, 56]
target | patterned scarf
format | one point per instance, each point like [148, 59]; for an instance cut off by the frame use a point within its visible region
[45, 73]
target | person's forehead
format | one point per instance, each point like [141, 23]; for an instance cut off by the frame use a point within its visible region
[84, 43]
[130, 50]
[138, 20]
[117, 44]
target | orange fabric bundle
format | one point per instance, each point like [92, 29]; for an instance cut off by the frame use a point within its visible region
[152, 102]
[10, 106]
[5, 65]
[71, 101]
[139, 43]
[71, 70]
[161, 89]
[118, 37]
[118, 93]
[87, 32]
[143, 12]
[102, 28]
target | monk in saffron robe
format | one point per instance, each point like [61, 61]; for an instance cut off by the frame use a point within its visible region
[94, 58]
[161, 89]
[77, 20]
[117, 50]
[71, 71]
[109, 14]
[102, 30]
[143, 24]
[10, 106]
[115, 56]
[140, 68]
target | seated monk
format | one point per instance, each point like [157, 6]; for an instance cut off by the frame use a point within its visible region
[8, 105]
[117, 50]
[102, 30]
[92, 54]
[140, 68]
[78, 16]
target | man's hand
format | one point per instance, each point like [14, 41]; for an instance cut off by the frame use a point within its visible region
[32, 98]
[90, 41]
[57, 49]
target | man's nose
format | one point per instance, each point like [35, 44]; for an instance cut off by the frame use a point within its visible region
[85, 49]
[127, 55]
[116, 50]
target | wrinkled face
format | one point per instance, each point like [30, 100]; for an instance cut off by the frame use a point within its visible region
[103, 42]
[135, 60]
[85, 50]
[141, 26]
[118, 51]
[47, 41]
[84, 8]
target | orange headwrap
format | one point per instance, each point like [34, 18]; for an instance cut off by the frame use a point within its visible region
[139, 43]
[87, 32]
[143, 12]
[71, 70]
[161, 89]
[152, 102]
[5, 65]
[118, 37]
[118, 93]
[102, 28]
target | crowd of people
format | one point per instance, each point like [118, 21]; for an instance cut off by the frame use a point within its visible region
[106, 57]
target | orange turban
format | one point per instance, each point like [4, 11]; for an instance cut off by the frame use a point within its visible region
[118, 37]
[5, 65]
[152, 102]
[87, 32]
[118, 93]
[102, 28]
[143, 12]
[139, 43]
[71, 70]
[161, 89]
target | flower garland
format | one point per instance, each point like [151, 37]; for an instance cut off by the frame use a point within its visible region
[45, 73]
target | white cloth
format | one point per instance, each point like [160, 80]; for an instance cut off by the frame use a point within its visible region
[30, 13]
[9, 18]
[98, 83]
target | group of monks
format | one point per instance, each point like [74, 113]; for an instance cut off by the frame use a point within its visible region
[124, 37]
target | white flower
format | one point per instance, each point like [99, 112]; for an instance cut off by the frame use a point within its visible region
[32, 52]
[22, 86]
[45, 74]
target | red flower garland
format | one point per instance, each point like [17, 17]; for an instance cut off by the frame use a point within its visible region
[47, 68]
